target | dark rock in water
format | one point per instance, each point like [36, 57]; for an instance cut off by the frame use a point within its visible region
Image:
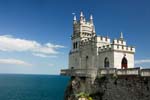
[110, 88]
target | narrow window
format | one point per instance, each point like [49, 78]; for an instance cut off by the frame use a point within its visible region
[87, 61]
[124, 63]
[106, 62]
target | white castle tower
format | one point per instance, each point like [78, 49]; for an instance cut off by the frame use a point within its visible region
[91, 51]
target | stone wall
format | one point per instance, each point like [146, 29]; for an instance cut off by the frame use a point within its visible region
[110, 87]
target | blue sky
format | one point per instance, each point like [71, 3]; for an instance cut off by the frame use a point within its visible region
[35, 34]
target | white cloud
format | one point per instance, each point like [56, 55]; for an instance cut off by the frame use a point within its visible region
[11, 44]
[40, 55]
[43, 55]
[14, 62]
[54, 46]
[142, 61]
[51, 65]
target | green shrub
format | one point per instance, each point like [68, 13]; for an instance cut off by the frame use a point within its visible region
[84, 95]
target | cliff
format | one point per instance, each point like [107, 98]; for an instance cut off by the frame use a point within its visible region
[109, 87]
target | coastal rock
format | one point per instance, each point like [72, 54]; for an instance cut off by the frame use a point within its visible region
[110, 88]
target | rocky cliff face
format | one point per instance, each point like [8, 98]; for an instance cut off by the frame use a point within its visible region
[110, 88]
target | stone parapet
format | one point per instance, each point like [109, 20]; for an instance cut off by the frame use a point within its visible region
[79, 72]
[106, 71]
[145, 72]
[116, 47]
[119, 42]
[102, 39]
[132, 71]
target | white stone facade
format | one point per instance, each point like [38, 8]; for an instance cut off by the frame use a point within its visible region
[92, 51]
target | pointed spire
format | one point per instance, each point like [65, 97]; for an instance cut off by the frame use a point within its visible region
[121, 35]
[74, 18]
[107, 35]
[81, 17]
[81, 14]
[91, 19]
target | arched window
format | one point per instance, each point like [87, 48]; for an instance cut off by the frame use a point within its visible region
[87, 61]
[106, 62]
[76, 45]
[73, 45]
[124, 63]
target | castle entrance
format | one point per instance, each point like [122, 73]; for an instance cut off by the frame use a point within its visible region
[106, 62]
[124, 63]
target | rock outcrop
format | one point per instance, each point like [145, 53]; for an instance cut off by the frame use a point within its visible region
[110, 87]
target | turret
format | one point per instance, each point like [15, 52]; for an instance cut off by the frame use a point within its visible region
[83, 29]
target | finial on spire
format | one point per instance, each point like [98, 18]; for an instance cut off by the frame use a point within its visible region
[81, 17]
[74, 18]
[91, 17]
[121, 35]
[81, 14]
[107, 35]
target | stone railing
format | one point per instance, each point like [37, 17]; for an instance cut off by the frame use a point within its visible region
[106, 71]
[145, 72]
[133, 71]
[125, 72]
[79, 72]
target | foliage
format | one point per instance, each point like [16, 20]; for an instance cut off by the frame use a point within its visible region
[84, 95]
[115, 76]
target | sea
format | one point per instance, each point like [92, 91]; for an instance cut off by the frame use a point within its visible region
[32, 87]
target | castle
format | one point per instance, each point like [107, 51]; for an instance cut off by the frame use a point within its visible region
[91, 54]
[92, 51]
[102, 68]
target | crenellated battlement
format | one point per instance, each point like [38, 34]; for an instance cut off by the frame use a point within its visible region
[116, 47]
[85, 42]
[83, 26]
[119, 42]
[97, 39]
[102, 39]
